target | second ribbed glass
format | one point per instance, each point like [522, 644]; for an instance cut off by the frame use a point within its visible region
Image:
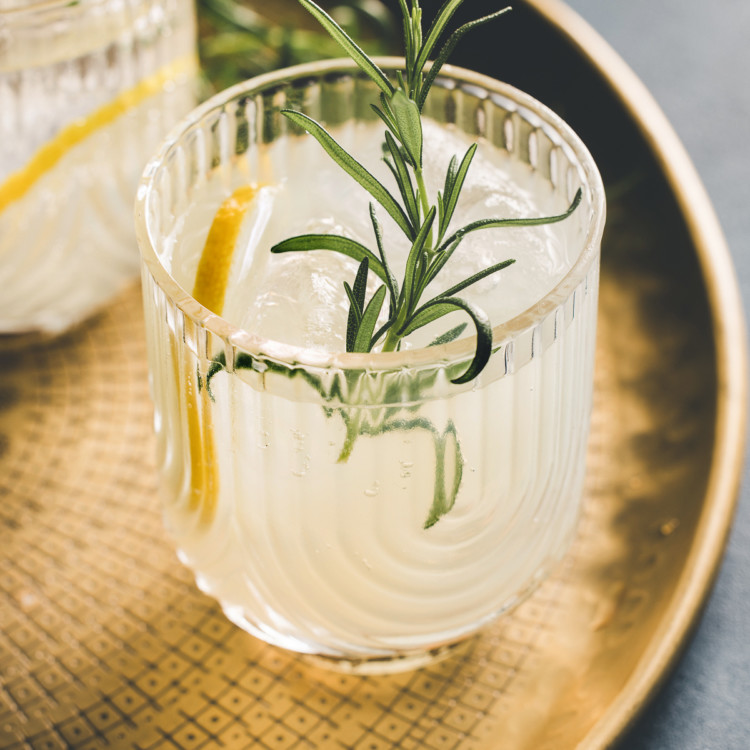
[88, 89]
[302, 486]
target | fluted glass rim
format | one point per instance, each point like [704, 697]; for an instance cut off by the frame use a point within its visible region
[445, 355]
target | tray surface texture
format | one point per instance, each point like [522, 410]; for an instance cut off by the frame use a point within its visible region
[106, 641]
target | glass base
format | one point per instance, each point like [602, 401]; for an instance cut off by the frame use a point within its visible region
[389, 664]
[380, 663]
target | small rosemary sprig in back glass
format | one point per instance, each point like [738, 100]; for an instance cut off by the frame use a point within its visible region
[424, 222]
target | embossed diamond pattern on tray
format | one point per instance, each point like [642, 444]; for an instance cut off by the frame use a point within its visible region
[106, 641]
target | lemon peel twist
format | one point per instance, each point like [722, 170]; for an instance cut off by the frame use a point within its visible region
[210, 286]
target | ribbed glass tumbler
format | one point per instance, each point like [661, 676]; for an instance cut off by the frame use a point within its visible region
[88, 89]
[362, 508]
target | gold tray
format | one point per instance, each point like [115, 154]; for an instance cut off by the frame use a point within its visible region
[105, 640]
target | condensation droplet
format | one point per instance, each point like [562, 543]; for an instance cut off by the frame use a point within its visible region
[303, 468]
[373, 490]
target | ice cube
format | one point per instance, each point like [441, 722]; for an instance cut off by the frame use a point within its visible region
[299, 298]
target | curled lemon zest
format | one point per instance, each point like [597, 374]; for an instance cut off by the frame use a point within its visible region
[211, 280]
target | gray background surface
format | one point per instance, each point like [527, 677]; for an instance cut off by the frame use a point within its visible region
[694, 57]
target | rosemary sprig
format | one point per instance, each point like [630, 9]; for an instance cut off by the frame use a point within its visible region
[424, 223]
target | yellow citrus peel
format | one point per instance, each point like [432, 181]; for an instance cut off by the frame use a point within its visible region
[211, 279]
[20, 182]
[212, 275]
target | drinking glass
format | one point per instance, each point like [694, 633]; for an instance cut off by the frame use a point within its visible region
[88, 89]
[362, 508]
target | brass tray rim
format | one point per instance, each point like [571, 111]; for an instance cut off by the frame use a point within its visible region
[731, 361]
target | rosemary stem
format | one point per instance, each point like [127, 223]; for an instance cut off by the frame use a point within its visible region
[391, 340]
[352, 433]
[422, 190]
